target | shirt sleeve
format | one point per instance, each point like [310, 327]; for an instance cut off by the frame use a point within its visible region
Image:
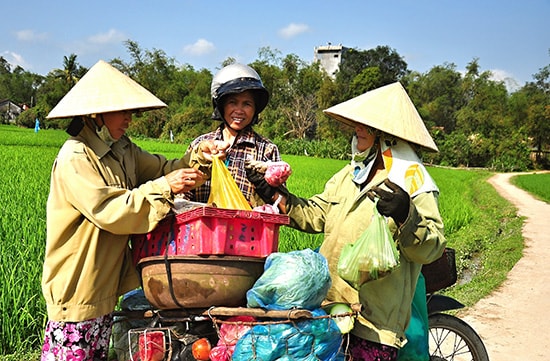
[309, 215]
[421, 238]
[112, 208]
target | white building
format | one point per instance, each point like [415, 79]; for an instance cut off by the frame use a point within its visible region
[330, 57]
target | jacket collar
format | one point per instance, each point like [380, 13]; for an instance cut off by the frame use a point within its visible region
[99, 147]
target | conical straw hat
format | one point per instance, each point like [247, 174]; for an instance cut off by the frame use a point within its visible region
[104, 89]
[388, 109]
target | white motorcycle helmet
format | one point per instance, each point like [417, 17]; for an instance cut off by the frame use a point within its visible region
[234, 79]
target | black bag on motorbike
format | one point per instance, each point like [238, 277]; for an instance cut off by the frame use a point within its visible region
[441, 273]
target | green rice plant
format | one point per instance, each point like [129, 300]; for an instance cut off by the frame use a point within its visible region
[26, 158]
[455, 210]
[308, 177]
[537, 184]
[489, 243]
[169, 150]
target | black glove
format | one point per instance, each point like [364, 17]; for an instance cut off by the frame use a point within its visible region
[393, 204]
[263, 189]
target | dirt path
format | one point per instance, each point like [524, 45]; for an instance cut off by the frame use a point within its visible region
[514, 320]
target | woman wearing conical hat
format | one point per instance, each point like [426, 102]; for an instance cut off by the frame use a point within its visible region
[103, 188]
[386, 168]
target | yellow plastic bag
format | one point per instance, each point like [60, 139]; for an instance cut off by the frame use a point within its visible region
[224, 191]
[373, 256]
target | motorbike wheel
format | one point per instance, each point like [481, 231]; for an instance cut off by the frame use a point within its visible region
[452, 339]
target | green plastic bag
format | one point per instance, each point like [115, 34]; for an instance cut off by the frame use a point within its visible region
[417, 347]
[373, 256]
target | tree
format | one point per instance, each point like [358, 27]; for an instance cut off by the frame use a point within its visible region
[157, 73]
[192, 115]
[437, 95]
[367, 79]
[473, 118]
[18, 85]
[71, 72]
[328, 94]
[531, 110]
[301, 117]
[484, 118]
[390, 64]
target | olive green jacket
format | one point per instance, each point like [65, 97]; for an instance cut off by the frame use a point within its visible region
[343, 211]
[99, 195]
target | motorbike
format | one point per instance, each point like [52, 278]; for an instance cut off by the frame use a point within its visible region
[450, 338]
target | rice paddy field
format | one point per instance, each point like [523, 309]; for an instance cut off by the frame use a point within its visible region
[482, 227]
[537, 184]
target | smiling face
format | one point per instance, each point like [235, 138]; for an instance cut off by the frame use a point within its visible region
[117, 122]
[239, 110]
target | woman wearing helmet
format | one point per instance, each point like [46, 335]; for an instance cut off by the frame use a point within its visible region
[238, 97]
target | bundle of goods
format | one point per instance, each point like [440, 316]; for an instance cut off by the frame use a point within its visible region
[275, 173]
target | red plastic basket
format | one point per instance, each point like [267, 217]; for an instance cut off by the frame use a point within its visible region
[212, 231]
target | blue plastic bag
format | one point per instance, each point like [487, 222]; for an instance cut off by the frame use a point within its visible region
[298, 279]
[417, 347]
[305, 340]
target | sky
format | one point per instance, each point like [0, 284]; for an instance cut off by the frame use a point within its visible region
[510, 38]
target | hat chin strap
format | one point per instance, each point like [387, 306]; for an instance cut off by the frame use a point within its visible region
[103, 132]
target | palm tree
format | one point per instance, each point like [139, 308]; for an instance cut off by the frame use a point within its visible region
[71, 72]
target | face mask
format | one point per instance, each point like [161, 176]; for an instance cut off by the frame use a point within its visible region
[105, 135]
[356, 155]
[361, 161]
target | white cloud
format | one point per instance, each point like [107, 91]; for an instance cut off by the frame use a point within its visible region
[292, 30]
[15, 59]
[110, 37]
[502, 75]
[29, 35]
[200, 47]
[101, 44]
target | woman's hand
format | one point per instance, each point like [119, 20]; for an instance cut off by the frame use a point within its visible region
[200, 156]
[394, 203]
[185, 179]
[208, 148]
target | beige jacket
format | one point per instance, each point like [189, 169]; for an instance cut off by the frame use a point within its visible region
[343, 212]
[99, 196]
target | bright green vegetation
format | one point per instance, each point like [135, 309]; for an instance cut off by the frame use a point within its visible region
[536, 184]
[482, 227]
[169, 150]
[24, 184]
[308, 177]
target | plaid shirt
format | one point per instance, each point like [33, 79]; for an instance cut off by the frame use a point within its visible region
[247, 145]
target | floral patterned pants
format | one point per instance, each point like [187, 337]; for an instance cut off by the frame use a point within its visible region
[77, 341]
[364, 350]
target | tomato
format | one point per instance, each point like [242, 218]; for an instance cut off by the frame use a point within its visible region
[151, 346]
[201, 349]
